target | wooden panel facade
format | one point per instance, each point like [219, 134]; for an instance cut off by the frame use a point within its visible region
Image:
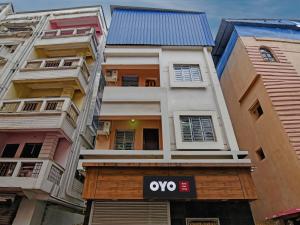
[126, 183]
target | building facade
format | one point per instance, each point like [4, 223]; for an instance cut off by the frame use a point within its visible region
[165, 151]
[258, 66]
[49, 81]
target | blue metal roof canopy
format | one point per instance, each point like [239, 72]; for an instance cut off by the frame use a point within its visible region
[145, 26]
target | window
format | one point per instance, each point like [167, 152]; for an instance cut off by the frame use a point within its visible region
[130, 81]
[187, 72]
[124, 140]
[256, 110]
[197, 128]
[260, 154]
[10, 150]
[52, 63]
[267, 55]
[150, 83]
[31, 150]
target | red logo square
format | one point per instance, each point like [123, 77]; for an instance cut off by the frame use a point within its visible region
[184, 186]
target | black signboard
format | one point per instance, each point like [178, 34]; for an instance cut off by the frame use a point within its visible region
[169, 187]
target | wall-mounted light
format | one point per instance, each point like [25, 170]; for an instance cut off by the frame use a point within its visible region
[132, 120]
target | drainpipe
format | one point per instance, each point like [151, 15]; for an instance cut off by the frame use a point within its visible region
[73, 159]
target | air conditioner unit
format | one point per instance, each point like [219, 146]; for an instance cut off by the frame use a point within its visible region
[104, 128]
[111, 76]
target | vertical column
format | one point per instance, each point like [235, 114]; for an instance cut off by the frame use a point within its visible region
[221, 103]
[68, 92]
[49, 146]
[30, 212]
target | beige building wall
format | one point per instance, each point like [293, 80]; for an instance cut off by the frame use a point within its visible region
[247, 79]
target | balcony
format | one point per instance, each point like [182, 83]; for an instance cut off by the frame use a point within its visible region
[65, 71]
[127, 139]
[64, 42]
[132, 94]
[29, 174]
[39, 114]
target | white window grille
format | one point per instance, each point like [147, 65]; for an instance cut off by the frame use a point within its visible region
[124, 140]
[197, 128]
[186, 72]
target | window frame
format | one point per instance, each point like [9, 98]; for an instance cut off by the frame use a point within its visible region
[130, 76]
[269, 50]
[253, 110]
[187, 84]
[30, 143]
[180, 144]
[115, 139]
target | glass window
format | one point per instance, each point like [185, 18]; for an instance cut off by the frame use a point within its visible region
[267, 55]
[31, 150]
[197, 129]
[130, 81]
[187, 72]
[10, 150]
[124, 140]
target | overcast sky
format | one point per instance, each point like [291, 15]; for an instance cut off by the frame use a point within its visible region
[215, 9]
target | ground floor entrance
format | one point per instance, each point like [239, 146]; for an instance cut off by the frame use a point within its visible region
[168, 194]
[170, 213]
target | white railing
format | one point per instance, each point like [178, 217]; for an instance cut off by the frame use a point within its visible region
[72, 32]
[33, 167]
[41, 105]
[57, 64]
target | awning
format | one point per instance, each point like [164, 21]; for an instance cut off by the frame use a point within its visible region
[284, 213]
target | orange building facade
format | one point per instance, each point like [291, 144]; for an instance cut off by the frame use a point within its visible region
[258, 66]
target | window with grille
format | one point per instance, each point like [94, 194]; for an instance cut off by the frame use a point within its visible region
[187, 73]
[130, 81]
[52, 63]
[124, 140]
[267, 55]
[70, 62]
[197, 129]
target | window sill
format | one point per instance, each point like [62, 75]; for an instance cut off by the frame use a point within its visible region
[189, 85]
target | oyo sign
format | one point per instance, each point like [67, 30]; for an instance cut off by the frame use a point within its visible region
[169, 187]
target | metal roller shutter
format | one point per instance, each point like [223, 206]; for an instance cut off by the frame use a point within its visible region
[130, 213]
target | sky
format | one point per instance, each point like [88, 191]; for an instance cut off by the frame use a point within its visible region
[215, 9]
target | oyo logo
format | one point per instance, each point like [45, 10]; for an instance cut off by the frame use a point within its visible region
[183, 186]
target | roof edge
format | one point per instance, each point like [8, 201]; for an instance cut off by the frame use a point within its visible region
[60, 9]
[113, 7]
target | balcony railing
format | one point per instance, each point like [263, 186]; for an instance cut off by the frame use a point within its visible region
[29, 173]
[41, 105]
[73, 32]
[57, 64]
